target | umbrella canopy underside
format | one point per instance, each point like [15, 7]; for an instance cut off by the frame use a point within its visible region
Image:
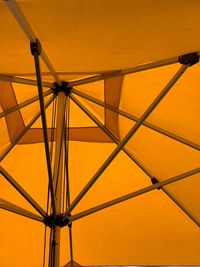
[121, 62]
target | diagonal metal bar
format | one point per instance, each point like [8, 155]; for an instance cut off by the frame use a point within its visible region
[13, 79]
[126, 138]
[45, 134]
[134, 159]
[19, 16]
[106, 131]
[20, 189]
[112, 137]
[134, 118]
[134, 194]
[23, 104]
[111, 74]
[18, 210]
[25, 130]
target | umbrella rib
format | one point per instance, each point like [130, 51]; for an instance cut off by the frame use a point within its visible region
[134, 194]
[13, 79]
[129, 154]
[19, 188]
[135, 119]
[18, 210]
[17, 139]
[130, 134]
[19, 16]
[142, 67]
[23, 104]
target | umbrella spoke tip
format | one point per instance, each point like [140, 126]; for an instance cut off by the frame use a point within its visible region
[189, 59]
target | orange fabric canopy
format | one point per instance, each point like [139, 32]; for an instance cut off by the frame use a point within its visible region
[123, 133]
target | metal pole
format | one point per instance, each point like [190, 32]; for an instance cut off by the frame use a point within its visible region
[57, 172]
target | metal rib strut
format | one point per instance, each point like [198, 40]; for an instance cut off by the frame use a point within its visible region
[13, 79]
[19, 137]
[134, 118]
[134, 194]
[23, 104]
[145, 115]
[129, 154]
[112, 74]
[6, 205]
[20, 189]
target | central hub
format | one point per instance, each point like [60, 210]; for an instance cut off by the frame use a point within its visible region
[64, 87]
[59, 221]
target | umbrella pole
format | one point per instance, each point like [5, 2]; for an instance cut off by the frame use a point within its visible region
[57, 171]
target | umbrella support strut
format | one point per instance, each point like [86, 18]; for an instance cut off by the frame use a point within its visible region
[36, 51]
[134, 194]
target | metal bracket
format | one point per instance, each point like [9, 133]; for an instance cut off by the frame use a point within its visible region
[61, 88]
[190, 59]
[36, 48]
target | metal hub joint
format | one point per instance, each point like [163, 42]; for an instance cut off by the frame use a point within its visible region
[64, 87]
[60, 221]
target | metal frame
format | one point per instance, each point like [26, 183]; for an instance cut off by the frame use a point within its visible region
[6, 205]
[142, 67]
[130, 134]
[23, 104]
[128, 153]
[13, 79]
[20, 189]
[134, 194]
[135, 119]
[17, 139]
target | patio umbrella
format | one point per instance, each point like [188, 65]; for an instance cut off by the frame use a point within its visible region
[99, 142]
